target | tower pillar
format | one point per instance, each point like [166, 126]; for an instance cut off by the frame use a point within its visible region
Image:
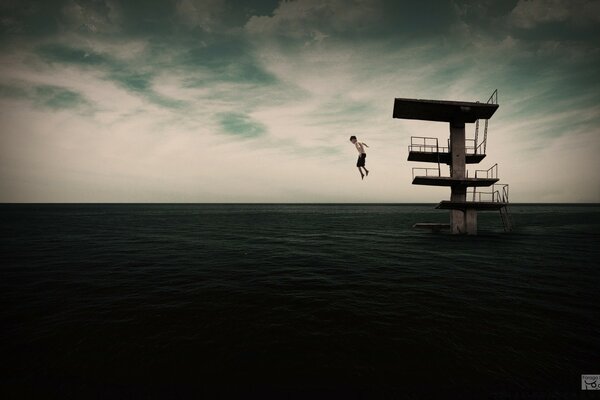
[458, 220]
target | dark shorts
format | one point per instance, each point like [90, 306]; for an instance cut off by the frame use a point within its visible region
[361, 160]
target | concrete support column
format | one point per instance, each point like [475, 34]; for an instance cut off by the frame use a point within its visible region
[471, 221]
[457, 149]
[457, 170]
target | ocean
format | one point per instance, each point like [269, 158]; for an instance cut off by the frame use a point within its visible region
[296, 301]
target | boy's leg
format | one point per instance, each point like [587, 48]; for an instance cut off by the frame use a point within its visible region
[363, 157]
[361, 173]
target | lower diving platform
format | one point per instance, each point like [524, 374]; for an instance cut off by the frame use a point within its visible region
[471, 205]
[432, 226]
[450, 181]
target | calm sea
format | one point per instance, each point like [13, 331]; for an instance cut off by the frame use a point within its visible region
[301, 301]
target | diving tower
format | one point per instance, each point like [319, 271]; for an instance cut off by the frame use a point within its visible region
[457, 153]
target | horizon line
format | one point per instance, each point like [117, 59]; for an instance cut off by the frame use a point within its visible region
[278, 203]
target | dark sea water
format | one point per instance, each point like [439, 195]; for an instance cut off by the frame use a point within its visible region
[296, 301]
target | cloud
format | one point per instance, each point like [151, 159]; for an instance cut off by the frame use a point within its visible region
[205, 14]
[241, 125]
[312, 18]
[528, 14]
[134, 76]
[12, 92]
[228, 59]
[185, 101]
[66, 54]
[58, 98]
[94, 16]
[46, 96]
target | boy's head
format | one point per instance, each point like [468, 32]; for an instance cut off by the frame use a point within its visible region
[353, 139]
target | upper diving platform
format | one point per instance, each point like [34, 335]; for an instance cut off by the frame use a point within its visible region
[443, 110]
[428, 149]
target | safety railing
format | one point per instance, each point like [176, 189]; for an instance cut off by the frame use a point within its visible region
[425, 145]
[493, 98]
[490, 173]
[504, 192]
[497, 193]
[482, 147]
[470, 146]
[425, 172]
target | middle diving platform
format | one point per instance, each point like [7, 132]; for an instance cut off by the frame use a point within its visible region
[427, 149]
[482, 178]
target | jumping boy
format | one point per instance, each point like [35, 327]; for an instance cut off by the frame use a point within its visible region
[362, 155]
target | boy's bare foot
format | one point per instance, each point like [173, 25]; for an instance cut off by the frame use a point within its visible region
[367, 173]
[362, 177]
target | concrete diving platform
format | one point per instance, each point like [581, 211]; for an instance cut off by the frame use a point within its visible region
[471, 205]
[453, 182]
[457, 152]
[432, 226]
[443, 110]
[442, 157]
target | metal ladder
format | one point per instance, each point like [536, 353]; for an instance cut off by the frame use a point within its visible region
[507, 220]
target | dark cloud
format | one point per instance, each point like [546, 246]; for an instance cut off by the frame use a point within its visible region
[170, 21]
[12, 92]
[241, 125]
[46, 96]
[134, 76]
[56, 97]
[29, 18]
[70, 55]
[416, 19]
[229, 58]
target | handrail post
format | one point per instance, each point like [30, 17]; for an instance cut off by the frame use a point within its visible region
[437, 149]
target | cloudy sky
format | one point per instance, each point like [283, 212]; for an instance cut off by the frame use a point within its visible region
[254, 101]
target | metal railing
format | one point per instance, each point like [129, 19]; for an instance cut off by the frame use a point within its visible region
[490, 173]
[426, 145]
[482, 147]
[493, 98]
[427, 171]
[470, 146]
[498, 194]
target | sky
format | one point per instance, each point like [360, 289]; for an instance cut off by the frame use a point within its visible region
[254, 101]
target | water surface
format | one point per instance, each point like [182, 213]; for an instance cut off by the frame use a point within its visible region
[306, 299]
